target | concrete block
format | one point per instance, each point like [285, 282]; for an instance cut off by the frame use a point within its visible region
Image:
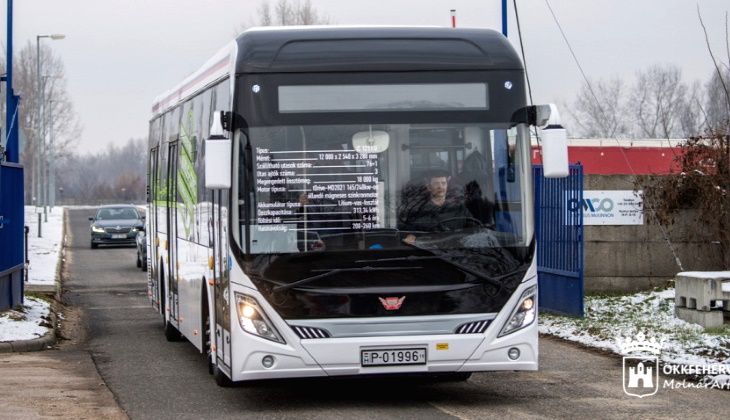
[710, 319]
[697, 290]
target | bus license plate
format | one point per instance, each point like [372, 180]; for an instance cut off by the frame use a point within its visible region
[118, 236]
[391, 357]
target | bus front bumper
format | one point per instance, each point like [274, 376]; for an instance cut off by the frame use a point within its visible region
[342, 356]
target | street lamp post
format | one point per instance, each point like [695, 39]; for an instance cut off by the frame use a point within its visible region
[49, 151]
[45, 149]
[39, 126]
[52, 158]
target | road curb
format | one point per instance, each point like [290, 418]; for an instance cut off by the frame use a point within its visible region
[49, 339]
[35, 344]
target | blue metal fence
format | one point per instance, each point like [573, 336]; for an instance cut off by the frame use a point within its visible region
[559, 230]
[11, 235]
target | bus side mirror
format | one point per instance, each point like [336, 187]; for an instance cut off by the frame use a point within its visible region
[554, 142]
[218, 156]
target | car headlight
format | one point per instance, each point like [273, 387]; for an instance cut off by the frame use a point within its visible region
[97, 229]
[523, 314]
[253, 320]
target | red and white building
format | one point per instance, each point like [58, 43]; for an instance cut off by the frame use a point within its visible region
[621, 157]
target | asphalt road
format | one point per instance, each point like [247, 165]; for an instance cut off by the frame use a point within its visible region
[152, 378]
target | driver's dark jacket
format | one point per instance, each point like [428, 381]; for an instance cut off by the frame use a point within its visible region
[428, 217]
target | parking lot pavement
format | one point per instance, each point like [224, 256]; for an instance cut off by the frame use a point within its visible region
[54, 384]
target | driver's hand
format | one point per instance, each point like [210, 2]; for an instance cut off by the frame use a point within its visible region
[410, 239]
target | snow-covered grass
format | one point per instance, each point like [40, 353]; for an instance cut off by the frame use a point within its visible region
[28, 322]
[608, 318]
[44, 252]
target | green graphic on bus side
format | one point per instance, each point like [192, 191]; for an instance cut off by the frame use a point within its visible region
[187, 179]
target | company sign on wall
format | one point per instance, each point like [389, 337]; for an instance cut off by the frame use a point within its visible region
[612, 207]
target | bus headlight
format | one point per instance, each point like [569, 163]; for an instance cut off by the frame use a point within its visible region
[253, 320]
[524, 314]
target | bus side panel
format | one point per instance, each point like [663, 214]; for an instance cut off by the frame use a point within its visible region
[192, 259]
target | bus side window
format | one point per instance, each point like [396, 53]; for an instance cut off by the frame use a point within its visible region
[204, 196]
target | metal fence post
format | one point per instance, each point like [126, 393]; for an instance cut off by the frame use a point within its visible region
[26, 230]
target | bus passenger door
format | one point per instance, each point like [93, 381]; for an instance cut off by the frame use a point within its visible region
[219, 228]
[151, 229]
[172, 292]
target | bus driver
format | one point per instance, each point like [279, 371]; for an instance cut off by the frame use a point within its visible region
[436, 211]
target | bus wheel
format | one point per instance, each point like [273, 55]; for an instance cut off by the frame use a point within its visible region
[221, 379]
[171, 333]
[207, 340]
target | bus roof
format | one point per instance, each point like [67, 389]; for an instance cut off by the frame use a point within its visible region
[372, 48]
[290, 49]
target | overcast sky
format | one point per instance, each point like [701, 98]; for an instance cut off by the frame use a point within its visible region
[120, 54]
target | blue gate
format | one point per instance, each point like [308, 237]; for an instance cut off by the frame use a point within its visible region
[559, 230]
[11, 235]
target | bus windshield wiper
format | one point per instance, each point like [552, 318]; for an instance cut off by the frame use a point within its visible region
[493, 280]
[328, 272]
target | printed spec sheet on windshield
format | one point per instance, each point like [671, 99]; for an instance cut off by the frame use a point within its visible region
[316, 190]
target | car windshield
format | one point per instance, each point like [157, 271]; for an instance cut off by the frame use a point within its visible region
[117, 213]
[386, 186]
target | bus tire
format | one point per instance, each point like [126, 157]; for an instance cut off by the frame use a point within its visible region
[221, 379]
[207, 336]
[171, 333]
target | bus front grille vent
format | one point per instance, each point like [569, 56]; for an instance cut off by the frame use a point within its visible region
[476, 327]
[310, 332]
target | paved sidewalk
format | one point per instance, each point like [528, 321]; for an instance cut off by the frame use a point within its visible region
[53, 384]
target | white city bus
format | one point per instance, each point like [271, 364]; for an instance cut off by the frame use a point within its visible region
[347, 201]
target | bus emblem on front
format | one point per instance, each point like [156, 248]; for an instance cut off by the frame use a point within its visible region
[392, 303]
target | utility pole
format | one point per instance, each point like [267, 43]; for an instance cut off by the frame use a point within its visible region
[41, 191]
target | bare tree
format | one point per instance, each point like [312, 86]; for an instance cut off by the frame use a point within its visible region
[718, 89]
[55, 102]
[116, 174]
[599, 109]
[718, 111]
[291, 12]
[691, 114]
[265, 14]
[656, 101]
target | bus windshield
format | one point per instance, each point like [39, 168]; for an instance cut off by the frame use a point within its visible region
[382, 187]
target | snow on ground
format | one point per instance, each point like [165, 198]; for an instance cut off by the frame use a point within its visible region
[706, 274]
[651, 313]
[44, 252]
[30, 321]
